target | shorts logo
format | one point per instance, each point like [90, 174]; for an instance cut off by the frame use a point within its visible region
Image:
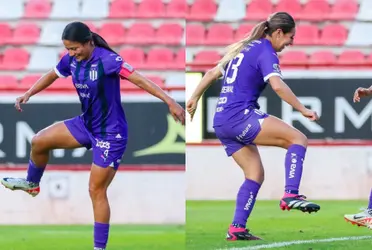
[102, 144]
[244, 132]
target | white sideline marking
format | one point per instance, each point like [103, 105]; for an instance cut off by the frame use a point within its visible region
[298, 242]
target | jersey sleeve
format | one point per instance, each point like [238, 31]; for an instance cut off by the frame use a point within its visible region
[268, 64]
[63, 69]
[114, 64]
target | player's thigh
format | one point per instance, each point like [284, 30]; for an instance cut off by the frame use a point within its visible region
[107, 155]
[249, 160]
[244, 153]
[55, 136]
[275, 132]
[100, 178]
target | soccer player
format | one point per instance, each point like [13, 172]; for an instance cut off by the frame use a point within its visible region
[96, 71]
[239, 124]
[364, 218]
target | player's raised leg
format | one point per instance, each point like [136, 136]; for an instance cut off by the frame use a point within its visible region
[55, 136]
[363, 218]
[275, 132]
[249, 161]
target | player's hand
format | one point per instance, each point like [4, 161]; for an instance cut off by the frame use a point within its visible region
[191, 107]
[177, 112]
[21, 100]
[312, 115]
[360, 92]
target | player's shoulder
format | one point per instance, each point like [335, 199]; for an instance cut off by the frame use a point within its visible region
[67, 59]
[108, 56]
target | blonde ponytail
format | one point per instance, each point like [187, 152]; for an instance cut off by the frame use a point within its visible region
[234, 49]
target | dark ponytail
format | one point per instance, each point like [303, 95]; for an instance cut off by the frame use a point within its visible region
[100, 42]
[80, 32]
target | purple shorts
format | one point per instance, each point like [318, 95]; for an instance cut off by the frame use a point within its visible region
[106, 152]
[238, 134]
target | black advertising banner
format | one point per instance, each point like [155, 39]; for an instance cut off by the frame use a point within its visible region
[331, 98]
[154, 137]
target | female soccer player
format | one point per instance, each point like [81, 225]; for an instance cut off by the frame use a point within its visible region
[239, 124]
[363, 218]
[96, 71]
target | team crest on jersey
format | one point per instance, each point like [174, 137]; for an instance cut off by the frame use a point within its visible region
[93, 74]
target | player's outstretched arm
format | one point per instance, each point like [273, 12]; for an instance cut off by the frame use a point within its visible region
[146, 84]
[286, 94]
[204, 84]
[41, 84]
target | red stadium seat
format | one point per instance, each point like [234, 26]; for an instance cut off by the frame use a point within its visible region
[160, 58]
[15, 59]
[352, 57]
[38, 9]
[169, 33]
[202, 10]
[62, 84]
[369, 59]
[307, 34]
[113, 33]
[134, 56]
[5, 33]
[195, 34]
[26, 33]
[177, 9]
[344, 10]
[316, 10]
[293, 7]
[151, 9]
[322, 59]
[122, 9]
[8, 82]
[243, 30]
[141, 33]
[206, 59]
[28, 80]
[294, 59]
[220, 34]
[158, 80]
[92, 26]
[259, 10]
[180, 59]
[334, 34]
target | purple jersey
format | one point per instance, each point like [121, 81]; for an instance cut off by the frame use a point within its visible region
[97, 82]
[244, 79]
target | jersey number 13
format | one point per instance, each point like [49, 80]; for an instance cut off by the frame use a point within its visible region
[234, 66]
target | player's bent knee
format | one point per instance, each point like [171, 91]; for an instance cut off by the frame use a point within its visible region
[39, 143]
[300, 139]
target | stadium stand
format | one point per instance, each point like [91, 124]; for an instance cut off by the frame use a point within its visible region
[328, 31]
[149, 34]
